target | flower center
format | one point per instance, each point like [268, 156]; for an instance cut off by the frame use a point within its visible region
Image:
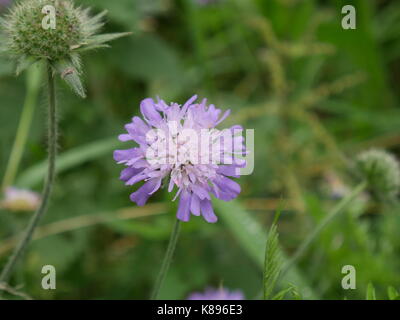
[185, 155]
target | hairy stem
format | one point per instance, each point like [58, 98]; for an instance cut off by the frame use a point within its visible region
[34, 75]
[52, 150]
[325, 221]
[167, 260]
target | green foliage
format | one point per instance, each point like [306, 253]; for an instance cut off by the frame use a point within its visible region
[292, 290]
[316, 95]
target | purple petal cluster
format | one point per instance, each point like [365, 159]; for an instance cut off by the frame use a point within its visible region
[195, 180]
[217, 294]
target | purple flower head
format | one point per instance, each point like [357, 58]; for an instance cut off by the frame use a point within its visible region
[179, 147]
[217, 294]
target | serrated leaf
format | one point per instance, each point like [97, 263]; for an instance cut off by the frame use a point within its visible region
[292, 290]
[272, 262]
[95, 23]
[99, 41]
[371, 295]
[250, 236]
[71, 76]
[296, 293]
[98, 17]
[281, 294]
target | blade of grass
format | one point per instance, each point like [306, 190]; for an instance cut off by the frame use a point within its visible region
[69, 159]
[251, 236]
[272, 262]
[33, 78]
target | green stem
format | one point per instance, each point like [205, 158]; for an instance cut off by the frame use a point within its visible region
[52, 150]
[327, 219]
[33, 87]
[167, 260]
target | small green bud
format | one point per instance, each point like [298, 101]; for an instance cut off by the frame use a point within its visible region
[55, 31]
[381, 171]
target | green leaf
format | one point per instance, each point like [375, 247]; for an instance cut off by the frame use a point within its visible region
[68, 160]
[85, 48]
[371, 295]
[99, 41]
[107, 37]
[296, 293]
[96, 22]
[273, 261]
[250, 236]
[291, 289]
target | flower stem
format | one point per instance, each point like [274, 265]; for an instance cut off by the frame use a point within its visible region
[327, 219]
[167, 260]
[52, 150]
[33, 78]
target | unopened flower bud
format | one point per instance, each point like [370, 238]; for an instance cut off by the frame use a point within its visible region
[55, 31]
[381, 171]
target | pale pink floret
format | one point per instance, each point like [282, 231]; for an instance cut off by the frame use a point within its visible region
[20, 200]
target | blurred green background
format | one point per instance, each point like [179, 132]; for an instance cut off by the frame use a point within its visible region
[315, 94]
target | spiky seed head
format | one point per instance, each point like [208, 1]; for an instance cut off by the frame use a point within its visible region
[381, 170]
[27, 37]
